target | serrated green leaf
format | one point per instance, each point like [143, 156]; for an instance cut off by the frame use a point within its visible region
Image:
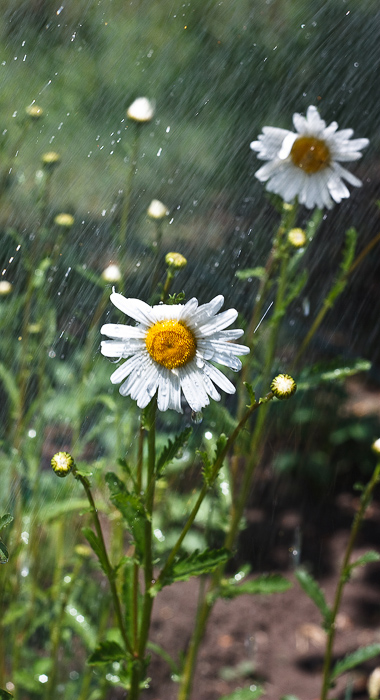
[131, 508]
[312, 589]
[220, 445]
[95, 544]
[171, 449]
[106, 652]
[5, 520]
[366, 558]
[354, 659]
[258, 272]
[251, 692]
[263, 585]
[207, 467]
[4, 694]
[194, 564]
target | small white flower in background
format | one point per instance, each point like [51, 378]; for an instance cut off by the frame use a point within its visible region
[141, 110]
[157, 209]
[5, 287]
[111, 273]
[306, 164]
[170, 350]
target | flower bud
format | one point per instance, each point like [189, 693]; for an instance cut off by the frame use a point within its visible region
[373, 685]
[157, 210]
[111, 274]
[65, 220]
[34, 111]
[175, 260]
[287, 206]
[141, 110]
[283, 386]
[297, 237]
[5, 288]
[376, 446]
[50, 159]
[62, 463]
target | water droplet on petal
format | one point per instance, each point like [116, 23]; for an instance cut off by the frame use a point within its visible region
[196, 417]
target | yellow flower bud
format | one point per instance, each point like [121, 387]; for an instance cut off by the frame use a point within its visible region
[65, 220]
[283, 386]
[34, 111]
[62, 463]
[297, 237]
[50, 159]
[175, 260]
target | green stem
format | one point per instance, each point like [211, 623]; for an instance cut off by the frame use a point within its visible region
[137, 666]
[169, 279]
[343, 577]
[109, 570]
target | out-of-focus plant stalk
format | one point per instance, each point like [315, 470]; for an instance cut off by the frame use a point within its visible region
[126, 206]
[343, 578]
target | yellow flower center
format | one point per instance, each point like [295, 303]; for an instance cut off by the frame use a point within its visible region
[170, 344]
[310, 154]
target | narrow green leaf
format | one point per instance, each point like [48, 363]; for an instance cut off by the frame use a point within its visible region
[94, 542]
[334, 371]
[354, 659]
[106, 652]
[263, 585]
[171, 449]
[251, 692]
[4, 694]
[312, 589]
[5, 520]
[366, 558]
[289, 697]
[258, 272]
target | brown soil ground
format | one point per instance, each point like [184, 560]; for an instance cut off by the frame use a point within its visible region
[277, 640]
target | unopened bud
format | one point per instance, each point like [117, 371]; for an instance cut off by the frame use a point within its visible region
[373, 684]
[111, 274]
[62, 463]
[297, 237]
[283, 386]
[141, 110]
[5, 288]
[65, 220]
[34, 111]
[50, 159]
[376, 446]
[175, 260]
[157, 209]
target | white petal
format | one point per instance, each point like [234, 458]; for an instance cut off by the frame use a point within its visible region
[337, 189]
[219, 378]
[287, 146]
[342, 172]
[122, 348]
[218, 322]
[134, 363]
[119, 330]
[193, 388]
[135, 308]
[206, 311]
[175, 393]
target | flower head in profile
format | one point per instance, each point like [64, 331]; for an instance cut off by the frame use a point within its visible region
[170, 350]
[306, 164]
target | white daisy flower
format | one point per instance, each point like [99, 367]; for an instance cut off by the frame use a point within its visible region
[305, 164]
[170, 350]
